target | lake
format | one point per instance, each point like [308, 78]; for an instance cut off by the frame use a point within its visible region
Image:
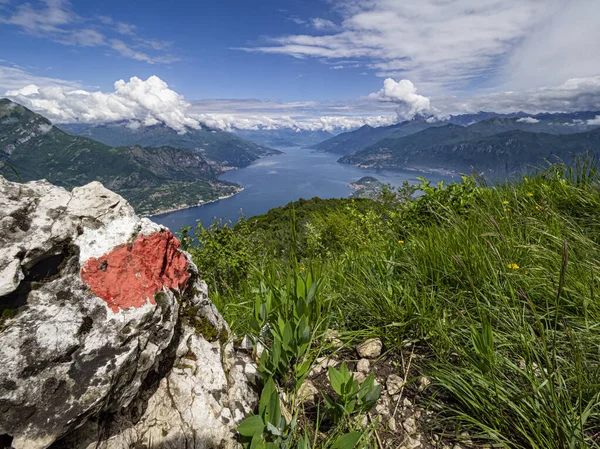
[276, 180]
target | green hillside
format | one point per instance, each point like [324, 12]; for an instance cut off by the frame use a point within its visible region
[152, 179]
[483, 147]
[352, 141]
[485, 299]
[221, 148]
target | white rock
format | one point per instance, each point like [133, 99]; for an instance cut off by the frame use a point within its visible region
[321, 364]
[307, 392]
[392, 425]
[69, 356]
[424, 382]
[370, 349]
[332, 337]
[359, 376]
[409, 425]
[394, 384]
[363, 366]
[411, 443]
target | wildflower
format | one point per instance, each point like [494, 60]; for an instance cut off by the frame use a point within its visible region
[530, 194]
[537, 207]
[401, 242]
[505, 202]
[301, 268]
[513, 266]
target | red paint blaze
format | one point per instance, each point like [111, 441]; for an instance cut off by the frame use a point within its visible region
[133, 273]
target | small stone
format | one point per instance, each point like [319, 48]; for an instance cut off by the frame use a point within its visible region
[359, 376]
[392, 424]
[409, 425]
[321, 364]
[370, 349]
[333, 337]
[363, 366]
[307, 392]
[383, 406]
[364, 421]
[411, 443]
[406, 403]
[394, 384]
[424, 382]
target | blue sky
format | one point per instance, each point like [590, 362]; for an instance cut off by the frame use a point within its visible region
[203, 35]
[323, 63]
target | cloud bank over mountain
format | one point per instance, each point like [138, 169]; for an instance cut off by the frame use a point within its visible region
[151, 101]
[148, 102]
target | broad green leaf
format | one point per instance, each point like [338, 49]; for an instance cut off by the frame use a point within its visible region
[287, 336]
[263, 312]
[347, 441]
[257, 442]
[336, 379]
[344, 371]
[265, 397]
[251, 426]
[311, 293]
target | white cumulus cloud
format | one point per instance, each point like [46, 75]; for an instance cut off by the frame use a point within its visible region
[528, 120]
[148, 102]
[404, 94]
[595, 121]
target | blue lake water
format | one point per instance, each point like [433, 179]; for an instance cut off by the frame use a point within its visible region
[276, 180]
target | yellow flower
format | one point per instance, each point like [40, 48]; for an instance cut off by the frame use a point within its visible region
[301, 268]
[537, 207]
[401, 242]
[505, 202]
[530, 194]
[513, 266]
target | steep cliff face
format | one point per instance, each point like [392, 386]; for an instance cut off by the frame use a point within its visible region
[107, 336]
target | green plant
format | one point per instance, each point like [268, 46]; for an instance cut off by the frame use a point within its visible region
[352, 397]
[269, 428]
[291, 314]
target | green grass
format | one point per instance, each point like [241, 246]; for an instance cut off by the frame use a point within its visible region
[495, 287]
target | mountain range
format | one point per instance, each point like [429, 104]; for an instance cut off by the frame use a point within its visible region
[284, 137]
[157, 168]
[219, 148]
[497, 146]
[153, 179]
[367, 136]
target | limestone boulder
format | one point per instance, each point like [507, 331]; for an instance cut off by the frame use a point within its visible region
[107, 336]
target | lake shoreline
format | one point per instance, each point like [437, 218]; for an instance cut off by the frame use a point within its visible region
[177, 209]
[275, 181]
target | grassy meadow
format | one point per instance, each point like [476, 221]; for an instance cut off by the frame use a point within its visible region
[489, 292]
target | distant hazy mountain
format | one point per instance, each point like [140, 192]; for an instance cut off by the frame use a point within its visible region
[284, 137]
[152, 179]
[490, 123]
[454, 148]
[349, 142]
[217, 147]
